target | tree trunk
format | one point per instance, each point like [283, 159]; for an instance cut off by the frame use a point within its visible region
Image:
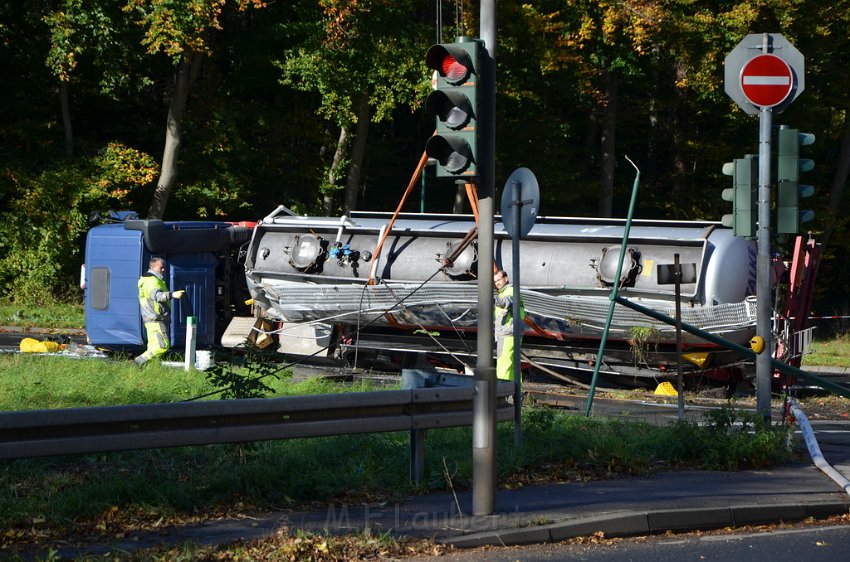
[652, 138]
[591, 145]
[187, 72]
[680, 124]
[836, 190]
[609, 126]
[333, 173]
[65, 104]
[358, 150]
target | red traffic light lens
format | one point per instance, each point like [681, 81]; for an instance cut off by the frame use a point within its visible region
[453, 70]
[452, 62]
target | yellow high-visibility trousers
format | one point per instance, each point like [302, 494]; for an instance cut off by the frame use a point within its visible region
[505, 358]
[158, 342]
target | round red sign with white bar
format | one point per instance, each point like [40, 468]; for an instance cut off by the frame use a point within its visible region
[766, 80]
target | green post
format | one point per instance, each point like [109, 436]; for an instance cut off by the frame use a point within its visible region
[614, 290]
[191, 342]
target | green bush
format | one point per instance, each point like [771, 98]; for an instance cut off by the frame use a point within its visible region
[39, 236]
[43, 224]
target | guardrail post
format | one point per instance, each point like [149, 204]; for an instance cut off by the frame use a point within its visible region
[417, 455]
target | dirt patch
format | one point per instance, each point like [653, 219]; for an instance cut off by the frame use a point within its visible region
[825, 407]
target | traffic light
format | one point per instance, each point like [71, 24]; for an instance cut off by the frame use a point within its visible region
[454, 102]
[789, 166]
[743, 194]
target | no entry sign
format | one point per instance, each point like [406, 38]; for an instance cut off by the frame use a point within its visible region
[764, 85]
[766, 80]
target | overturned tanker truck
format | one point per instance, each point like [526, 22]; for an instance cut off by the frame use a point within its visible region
[371, 286]
[414, 289]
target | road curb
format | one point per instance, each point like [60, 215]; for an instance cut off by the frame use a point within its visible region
[36, 330]
[626, 524]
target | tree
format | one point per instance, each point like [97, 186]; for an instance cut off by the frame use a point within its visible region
[184, 31]
[364, 64]
[601, 42]
[96, 36]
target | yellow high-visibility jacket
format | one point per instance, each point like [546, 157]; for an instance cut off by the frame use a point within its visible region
[153, 296]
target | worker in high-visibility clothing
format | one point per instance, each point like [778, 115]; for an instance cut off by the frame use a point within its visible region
[155, 305]
[504, 325]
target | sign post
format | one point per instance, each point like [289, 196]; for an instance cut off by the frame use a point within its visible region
[764, 73]
[520, 202]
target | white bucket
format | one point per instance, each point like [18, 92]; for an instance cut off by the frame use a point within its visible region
[204, 359]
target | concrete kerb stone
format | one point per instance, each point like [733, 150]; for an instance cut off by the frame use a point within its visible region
[761, 514]
[755, 515]
[508, 537]
[649, 522]
[827, 509]
[686, 519]
[611, 525]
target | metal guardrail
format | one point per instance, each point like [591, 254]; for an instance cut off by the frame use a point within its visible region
[41, 433]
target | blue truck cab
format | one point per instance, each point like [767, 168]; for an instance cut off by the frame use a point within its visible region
[200, 258]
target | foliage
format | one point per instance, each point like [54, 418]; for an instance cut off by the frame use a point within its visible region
[38, 235]
[91, 33]
[279, 79]
[242, 376]
[41, 229]
[639, 340]
[175, 28]
[731, 440]
[380, 65]
[119, 170]
[353, 36]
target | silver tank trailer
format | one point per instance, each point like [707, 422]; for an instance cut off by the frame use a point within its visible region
[322, 269]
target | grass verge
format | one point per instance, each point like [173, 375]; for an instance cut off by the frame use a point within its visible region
[91, 493]
[55, 315]
[829, 353]
[47, 500]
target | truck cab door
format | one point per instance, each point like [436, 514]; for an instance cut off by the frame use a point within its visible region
[195, 274]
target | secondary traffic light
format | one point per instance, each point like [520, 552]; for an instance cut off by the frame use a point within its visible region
[789, 165]
[743, 194]
[454, 102]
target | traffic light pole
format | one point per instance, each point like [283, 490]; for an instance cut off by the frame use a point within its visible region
[764, 314]
[758, 83]
[484, 401]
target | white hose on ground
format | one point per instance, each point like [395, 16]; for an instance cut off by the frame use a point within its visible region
[814, 448]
